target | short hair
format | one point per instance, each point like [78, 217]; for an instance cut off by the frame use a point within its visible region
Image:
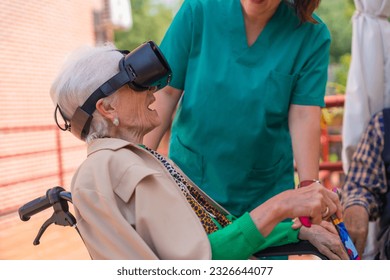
[305, 9]
[83, 72]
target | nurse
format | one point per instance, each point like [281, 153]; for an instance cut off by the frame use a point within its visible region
[249, 80]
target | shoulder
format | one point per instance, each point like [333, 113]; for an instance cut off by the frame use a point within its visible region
[108, 164]
[309, 30]
[114, 159]
[316, 31]
[113, 150]
[320, 27]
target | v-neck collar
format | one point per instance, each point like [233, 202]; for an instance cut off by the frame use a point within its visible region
[238, 32]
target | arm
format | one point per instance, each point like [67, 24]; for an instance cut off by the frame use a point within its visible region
[244, 239]
[307, 100]
[106, 234]
[365, 183]
[304, 124]
[356, 221]
[176, 47]
[166, 102]
[263, 228]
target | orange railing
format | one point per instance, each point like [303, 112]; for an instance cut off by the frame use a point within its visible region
[328, 168]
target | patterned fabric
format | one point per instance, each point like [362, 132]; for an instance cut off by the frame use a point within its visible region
[366, 179]
[204, 210]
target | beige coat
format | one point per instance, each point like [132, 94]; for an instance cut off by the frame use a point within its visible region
[127, 206]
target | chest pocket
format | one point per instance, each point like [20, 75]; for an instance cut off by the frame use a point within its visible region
[278, 95]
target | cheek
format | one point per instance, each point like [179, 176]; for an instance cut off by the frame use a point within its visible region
[146, 118]
[155, 119]
[136, 114]
[150, 118]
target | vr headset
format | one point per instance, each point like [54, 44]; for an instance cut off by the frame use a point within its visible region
[143, 68]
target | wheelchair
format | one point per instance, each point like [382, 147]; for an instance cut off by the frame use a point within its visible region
[58, 198]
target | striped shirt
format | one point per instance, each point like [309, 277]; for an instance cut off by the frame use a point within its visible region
[365, 183]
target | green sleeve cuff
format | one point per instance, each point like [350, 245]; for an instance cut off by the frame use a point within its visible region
[241, 239]
[250, 231]
[291, 235]
[282, 234]
[237, 241]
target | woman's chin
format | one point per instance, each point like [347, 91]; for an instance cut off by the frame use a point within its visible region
[153, 124]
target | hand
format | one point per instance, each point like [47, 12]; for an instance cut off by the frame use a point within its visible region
[316, 201]
[356, 221]
[326, 239]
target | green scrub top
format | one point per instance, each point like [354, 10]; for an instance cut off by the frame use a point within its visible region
[230, 134]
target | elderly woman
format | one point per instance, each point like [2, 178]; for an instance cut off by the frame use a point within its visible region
[131, 202]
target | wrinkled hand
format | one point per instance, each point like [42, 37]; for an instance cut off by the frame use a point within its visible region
[315, 201]
[356, 221]
[326, 239]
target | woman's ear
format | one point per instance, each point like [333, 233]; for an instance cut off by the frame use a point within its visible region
[106, 110]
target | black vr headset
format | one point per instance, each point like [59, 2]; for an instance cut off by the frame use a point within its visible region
[142, 69]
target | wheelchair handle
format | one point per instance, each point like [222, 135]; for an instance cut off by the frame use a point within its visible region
[41, 203]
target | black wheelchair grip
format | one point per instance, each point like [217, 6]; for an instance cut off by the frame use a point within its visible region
[33, 207]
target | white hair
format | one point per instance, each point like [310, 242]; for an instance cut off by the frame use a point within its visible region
[83, 72]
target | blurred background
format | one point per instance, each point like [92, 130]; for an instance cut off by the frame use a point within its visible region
[35, 37]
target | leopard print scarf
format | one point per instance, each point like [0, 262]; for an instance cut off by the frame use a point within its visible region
[203, 209]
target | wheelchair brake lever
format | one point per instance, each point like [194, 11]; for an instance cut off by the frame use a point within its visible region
[61, 216]
[42, 229]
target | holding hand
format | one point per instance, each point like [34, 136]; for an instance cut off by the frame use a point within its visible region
[315, 202]
[326, 239]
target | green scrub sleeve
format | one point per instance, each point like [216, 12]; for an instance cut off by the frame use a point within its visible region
[311, 83]
[176, 44]
[241, 239]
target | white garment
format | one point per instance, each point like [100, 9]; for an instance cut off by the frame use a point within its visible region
[368, 84]
[371, 248]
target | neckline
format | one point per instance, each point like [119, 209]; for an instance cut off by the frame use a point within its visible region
[264, 38]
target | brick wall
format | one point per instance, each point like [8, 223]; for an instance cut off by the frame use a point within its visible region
[35, 36]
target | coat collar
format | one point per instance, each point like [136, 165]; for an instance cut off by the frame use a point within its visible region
[109, 144]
